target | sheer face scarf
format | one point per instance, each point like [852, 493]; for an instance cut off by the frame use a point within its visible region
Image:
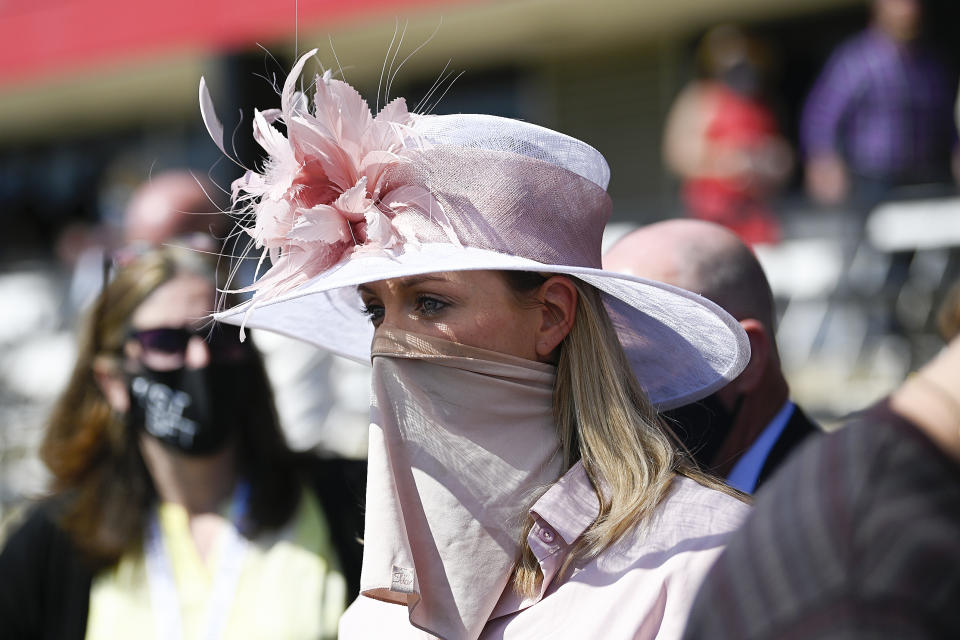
[461, 441]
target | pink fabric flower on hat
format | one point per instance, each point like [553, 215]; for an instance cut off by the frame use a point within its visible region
[319, 197]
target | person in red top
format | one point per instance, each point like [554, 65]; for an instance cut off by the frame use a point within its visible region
[724, 142]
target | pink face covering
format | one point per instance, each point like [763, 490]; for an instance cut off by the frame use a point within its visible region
[462, 442]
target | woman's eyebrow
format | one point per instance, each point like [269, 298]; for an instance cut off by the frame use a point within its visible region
[412, 281]
[409, 281]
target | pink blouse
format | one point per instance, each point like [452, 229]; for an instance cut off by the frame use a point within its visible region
[640, 587]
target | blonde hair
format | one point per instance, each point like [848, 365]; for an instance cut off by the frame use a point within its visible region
[605, 421]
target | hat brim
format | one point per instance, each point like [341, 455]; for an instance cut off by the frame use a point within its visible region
[681, 346]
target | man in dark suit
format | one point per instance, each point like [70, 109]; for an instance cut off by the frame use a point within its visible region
[744, 431]
[858, 536]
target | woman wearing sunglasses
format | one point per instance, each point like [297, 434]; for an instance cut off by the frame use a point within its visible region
[521, 483]
[178, 510]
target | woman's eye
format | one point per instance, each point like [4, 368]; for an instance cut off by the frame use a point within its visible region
[374, 312]
[428, 305]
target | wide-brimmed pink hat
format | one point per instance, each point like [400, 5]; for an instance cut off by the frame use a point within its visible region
[346, 198]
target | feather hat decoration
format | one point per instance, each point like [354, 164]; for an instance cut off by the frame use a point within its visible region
[321, 196]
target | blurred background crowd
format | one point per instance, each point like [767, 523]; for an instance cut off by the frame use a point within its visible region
[822, 132]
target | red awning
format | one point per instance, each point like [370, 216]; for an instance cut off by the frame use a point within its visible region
[51, 37]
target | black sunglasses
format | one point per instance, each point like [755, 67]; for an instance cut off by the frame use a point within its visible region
[224, 343]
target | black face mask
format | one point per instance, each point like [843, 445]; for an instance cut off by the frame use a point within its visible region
[195, 411]
[703, 426]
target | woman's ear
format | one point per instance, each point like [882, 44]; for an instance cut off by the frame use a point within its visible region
[558, 297]
[112, 384]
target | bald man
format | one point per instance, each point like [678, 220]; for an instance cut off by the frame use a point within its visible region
[746, 430]
[169, 205]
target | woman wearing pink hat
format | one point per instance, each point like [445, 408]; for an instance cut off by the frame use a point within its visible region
[520, 480]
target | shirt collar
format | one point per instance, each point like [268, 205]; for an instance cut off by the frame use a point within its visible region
[570, 505]
[561, 515]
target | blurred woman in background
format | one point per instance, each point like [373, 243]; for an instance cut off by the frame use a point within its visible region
[723, 141]
[177, 508]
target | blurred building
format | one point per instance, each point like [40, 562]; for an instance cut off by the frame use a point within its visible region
[95, 90]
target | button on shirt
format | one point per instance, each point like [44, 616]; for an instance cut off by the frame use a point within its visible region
[640, 587]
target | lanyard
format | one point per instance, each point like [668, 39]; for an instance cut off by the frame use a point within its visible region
[163, 589]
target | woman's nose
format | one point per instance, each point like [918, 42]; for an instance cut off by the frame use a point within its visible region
[197, 355]
[397, 319]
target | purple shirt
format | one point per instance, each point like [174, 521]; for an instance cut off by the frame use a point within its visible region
[885, 108]
[639, 588]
